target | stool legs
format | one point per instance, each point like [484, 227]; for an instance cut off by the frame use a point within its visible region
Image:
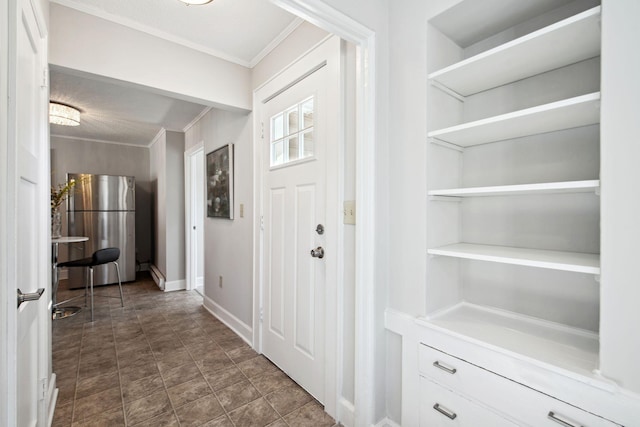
[91, 285]
[119, 283]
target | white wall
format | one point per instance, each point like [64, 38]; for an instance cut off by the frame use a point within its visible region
[83, 42]
[228, 243]
[620, 133]
[297, 43]
[79, 156]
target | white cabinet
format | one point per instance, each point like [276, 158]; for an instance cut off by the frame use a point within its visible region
[462, 388]
[440, 407]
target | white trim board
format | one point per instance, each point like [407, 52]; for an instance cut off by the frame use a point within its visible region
[175, 285]
[241, 329]
[327, 18]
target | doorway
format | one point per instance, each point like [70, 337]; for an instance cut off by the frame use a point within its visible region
[194, 215]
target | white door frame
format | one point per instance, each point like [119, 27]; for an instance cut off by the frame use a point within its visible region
[190, 260]
[320, 14]
[8, 233]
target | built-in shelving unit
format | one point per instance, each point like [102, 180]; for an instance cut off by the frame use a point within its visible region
[566, 42]
[573, 349]
[555, 260]
[565, 114]
[522, 189]
[544, 214]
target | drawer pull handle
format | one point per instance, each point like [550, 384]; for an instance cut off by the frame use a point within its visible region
[444, 411]
[445, 368]
[558, 419]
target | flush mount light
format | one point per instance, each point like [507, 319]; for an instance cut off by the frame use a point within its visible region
[196, 2]
[60, 114]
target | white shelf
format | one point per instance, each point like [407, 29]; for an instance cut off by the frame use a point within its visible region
[566, 42]
[555, 260]
[566, 114]
[559, 345]
[524, 189]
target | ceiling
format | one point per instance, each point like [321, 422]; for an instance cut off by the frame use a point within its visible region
[118, 112]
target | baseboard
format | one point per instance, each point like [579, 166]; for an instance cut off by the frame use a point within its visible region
[346, 413]
[243, 330]
[157, 276]
[386, 422]
[175, 285]
[52, 399]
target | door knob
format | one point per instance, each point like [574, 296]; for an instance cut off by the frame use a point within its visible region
[29, 297]
[317, 252]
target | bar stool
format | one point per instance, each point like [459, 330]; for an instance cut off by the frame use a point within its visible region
[99, 257]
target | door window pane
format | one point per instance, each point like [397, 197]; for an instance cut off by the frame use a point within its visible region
[307, 144]
[294, 149]
[307, 113]
[291, 134]
[277, 127]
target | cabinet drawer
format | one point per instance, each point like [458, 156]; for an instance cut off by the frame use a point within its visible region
[440, 407]
[528, 406]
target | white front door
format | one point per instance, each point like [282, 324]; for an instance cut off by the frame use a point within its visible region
[299, 130]
[25, 216]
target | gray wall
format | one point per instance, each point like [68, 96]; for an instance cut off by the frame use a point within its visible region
[78, 156]
[228, 243]
[166, 156]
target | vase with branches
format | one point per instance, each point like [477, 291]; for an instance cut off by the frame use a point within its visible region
[59, 194]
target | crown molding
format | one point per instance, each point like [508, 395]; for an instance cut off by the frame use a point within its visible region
[275, 42]
[102, 141]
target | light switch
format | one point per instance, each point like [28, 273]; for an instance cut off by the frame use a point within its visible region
[350, 212]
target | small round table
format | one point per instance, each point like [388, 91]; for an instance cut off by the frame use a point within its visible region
[61, 312]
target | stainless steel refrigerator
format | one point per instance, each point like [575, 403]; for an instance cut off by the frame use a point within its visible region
[102, 207]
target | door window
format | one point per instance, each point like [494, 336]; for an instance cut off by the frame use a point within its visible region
[291, 136]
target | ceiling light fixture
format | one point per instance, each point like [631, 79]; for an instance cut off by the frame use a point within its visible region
[196, 2]
[60, 114]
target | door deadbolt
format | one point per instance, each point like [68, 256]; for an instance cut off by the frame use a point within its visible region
[320, 229]
[317, 252]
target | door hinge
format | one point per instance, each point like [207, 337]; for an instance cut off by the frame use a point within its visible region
[43, 388]
[261, 314]
[45, 77]
[261, 222]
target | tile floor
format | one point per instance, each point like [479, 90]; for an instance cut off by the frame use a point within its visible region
[163, 360]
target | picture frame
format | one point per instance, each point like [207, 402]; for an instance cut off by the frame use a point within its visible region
[220, 182]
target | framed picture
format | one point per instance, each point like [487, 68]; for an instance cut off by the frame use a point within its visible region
[220, 183]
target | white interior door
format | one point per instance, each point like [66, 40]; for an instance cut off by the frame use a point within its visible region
[297, 124]
[195, 200]
[28, 212]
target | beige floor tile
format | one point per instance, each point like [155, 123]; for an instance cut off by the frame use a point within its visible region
[143, 387]
[310, 415]
[257, 413]
[200, 411]
[181, 374]
[224, 378]
[97, 403]
[256, 366]
[168, 419]
[89, 386]
[288, 399]
[148, 407]
[112, 417]
[237, 395]
[189, 391]
[272, 381]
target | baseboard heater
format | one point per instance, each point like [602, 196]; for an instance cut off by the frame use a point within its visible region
[157, 276]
